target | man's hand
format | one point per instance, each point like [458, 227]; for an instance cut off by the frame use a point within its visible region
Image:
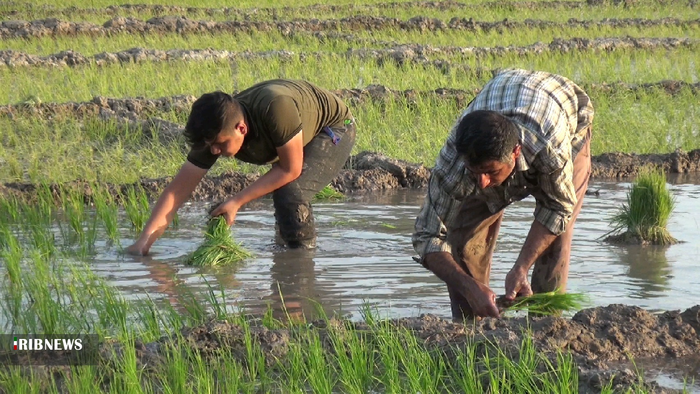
[228, 209]
[479, 296]
[483, 301]
[517, 283]
[139, 248]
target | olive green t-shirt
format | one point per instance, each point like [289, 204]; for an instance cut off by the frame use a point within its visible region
[275, 111]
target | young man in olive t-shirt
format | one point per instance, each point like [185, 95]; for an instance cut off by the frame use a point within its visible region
[305, 132]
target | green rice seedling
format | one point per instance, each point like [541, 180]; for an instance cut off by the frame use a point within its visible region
[9, 210]
[547, 303]
[645, 215]
[137, 207]
[292, 369]
[317, 367]
[328, 193]
[464, 372]
[354, 356]
[176, 221]
[218, 248]
[11, 253]
[87, 246]
[108, 212]
[75, 214]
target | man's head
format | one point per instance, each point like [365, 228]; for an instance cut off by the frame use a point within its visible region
[489, 144]
[216, 121]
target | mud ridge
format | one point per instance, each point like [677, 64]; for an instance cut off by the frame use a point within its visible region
[272, 12]
[400, 54]
[597, 338]
[363, 173]
[133, 111]
[183, 25]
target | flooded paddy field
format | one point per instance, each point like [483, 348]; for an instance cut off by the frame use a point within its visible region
[364, 254]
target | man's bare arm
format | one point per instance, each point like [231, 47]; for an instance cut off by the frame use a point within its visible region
[172, 198]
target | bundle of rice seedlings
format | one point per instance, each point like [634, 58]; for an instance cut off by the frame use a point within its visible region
[328, 193]
[645, 215]
[549, 303]
[218, 248]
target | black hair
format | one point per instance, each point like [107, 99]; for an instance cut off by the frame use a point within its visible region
[209, 115]
[486, 136]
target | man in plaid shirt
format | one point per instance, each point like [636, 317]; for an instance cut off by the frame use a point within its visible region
[526, 133]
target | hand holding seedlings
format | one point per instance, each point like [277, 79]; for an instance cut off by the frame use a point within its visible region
[228, 210]
[218, 247]
[517, 283]
[543, 303]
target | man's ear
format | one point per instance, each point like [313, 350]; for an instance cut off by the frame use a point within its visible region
[242, 127]
[516, 151]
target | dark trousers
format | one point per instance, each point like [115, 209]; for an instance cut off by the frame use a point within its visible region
[323, 160]
[474, 233]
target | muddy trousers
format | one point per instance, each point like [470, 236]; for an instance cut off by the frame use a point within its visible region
[323, 160]
[473, 239]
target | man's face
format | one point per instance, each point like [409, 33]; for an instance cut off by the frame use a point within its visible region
[228, 142]
[493, 172]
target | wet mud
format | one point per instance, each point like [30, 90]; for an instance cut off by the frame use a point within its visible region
[273, 12]
[53, 27]
[416, 54]
[600, 339]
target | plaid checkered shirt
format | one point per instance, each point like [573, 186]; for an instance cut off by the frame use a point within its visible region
[553, 115]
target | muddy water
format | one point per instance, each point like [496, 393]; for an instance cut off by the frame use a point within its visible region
[364, 256]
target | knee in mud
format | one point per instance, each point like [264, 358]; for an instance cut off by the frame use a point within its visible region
[296, 226]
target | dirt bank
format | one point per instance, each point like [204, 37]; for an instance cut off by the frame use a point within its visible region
[400, 53]
[133, 110]
[371, 172]
[53, 27]
[599, 339]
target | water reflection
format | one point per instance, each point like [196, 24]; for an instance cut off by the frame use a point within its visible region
[649, 266]
[164, 275]
[295, 291]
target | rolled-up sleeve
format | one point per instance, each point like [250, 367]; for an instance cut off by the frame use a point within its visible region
[448, 185]
[555, 206]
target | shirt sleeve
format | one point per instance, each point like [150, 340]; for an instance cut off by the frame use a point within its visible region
[556, 170]
[448, 185]
[283, 120]
[202, 157]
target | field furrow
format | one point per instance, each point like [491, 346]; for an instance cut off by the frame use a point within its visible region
[418, 54]
[134, 108]
[52, 27]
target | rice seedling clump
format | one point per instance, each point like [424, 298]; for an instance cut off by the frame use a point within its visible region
[218, 248]
[328, 193]
[548, 303]
[645, 215]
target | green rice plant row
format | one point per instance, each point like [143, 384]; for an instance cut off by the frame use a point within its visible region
[309, 42]
[334, 72]
[488, 11]
[644, 121]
